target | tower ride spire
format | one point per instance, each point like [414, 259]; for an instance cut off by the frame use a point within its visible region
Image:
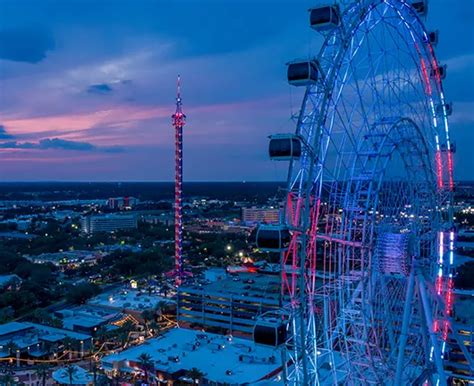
[179, 120]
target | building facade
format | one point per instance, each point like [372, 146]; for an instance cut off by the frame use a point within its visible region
[232, 304]
[108, 223]
[270, 215]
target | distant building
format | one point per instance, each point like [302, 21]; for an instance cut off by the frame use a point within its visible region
[255, 214]
[122, 202]
[231, 304]
[87, 319]
[130, 301]
[222, 360]
[108, 222]
[68, 259]
[37, 341]
[163, 219]
[9, 282]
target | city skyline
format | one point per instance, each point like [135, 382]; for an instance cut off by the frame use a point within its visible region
[87, 90]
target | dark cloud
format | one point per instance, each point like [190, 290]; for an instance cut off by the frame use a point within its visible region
[4, 134]
[60, 144]
[27, 44]
[101, 88]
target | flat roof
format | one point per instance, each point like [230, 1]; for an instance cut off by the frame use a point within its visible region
[12, 327]
[222, 359]
[248, 285]
[58, 331]
[130, 299]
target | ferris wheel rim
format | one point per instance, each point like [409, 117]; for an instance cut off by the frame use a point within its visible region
[320, 104]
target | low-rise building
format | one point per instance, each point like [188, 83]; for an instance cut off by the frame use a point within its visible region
[254, 215]
[87, 319]
[68, 259]
[130, 301]
[220, 359]
[24, 340]
[10, 282]
[108, 223]
[122, 202]
[231, 304]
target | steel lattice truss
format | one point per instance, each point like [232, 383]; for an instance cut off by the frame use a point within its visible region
[367, 275]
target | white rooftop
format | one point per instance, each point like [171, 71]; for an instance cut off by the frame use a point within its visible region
[222, 359]
[130, 299]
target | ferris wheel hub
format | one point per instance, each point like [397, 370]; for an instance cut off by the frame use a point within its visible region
[394, 253]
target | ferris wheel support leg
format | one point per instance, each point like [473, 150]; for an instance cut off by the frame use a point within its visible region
[429, 321]
[303, 346]
[284, 361]
[405, 324]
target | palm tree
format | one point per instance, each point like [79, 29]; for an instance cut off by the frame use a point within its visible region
[7, 380]
[155, 327]
[102, 334]
[69, 344]
[195, 374]
[146, 363]
[71, 372]
[11, 347]
[42, 372]
[148, 316]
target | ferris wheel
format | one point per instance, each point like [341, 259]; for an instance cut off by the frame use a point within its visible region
[367, 235]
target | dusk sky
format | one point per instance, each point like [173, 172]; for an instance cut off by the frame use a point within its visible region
[87, 88]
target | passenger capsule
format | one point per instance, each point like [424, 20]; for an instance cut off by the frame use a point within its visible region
[324, 18]
[439, 71]
[273, 238]
[433, 37]
[302, 73]
[446, 108]
[284, 147]
[270, 332]
[420, 6]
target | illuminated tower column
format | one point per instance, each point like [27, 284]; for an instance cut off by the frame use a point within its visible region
[178, 122]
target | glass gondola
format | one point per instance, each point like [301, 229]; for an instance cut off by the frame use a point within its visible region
[284, 147]
[273, 238]
[324, 18]
[302, 73]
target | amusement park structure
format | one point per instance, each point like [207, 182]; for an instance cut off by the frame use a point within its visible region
[179, 120]
[367, 237]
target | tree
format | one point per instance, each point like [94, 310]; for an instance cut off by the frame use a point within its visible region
[195, 374]
[146, 364]
[148, 316]
[80, 293]
[71, 371]
[102, 334]
[69, 344]
[11, 347]
[6, 313]
[7, 380]
[42, 372]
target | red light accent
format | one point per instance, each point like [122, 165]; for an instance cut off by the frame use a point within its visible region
[439, 285]
[445, 329]
[439, 169]
[450, 170]
[449, 296]
[425, 76]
